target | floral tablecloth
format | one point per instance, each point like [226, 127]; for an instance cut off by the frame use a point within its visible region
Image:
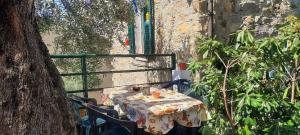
[157, 115]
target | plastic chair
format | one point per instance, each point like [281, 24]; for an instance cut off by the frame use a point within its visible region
[83, 122]
[113, 125]
[184, 86]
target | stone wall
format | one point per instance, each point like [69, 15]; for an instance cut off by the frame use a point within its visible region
[260, 15]
[179, 23]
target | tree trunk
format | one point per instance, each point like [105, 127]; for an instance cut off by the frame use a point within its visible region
[32, 98]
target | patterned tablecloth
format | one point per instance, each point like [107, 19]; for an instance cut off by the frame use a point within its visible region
[157, 115]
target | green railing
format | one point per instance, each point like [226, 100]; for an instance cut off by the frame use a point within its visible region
[85, 73]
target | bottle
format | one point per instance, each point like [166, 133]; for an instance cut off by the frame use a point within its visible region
[175, 88]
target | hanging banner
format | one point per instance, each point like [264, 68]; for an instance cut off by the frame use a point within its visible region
[137, 4]
[135, 7]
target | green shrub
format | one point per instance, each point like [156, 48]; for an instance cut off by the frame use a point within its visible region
[252, 85]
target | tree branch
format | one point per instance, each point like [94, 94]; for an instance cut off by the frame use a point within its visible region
[287, 71]
[225, 100]
[233, 62]
[294, 80]
[220, 59]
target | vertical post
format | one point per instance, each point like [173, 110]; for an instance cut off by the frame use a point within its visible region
[173, 59]
[211, 18]
[84, 76]
[173, 66]
[152, 10]
[149, 23]
[131, 36]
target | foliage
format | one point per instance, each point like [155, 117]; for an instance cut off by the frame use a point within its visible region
[82, 26]
[252, 85]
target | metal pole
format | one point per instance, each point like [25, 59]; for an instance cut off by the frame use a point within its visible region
[153, 26]
[210, 32]
[173, 59]
[173, 66]
[84, 76]
[57, 56]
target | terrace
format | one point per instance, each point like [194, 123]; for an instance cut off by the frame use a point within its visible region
[139, 107]
[143, 67]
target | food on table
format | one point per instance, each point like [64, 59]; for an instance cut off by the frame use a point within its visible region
[170, 110]
[141, 97]
[156, 94]
[158, 112]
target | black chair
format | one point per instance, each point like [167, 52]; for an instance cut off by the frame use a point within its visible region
[85, 126]
[113, 125]
[89, 100]
[77, 108]
[184, 86]
[182, 130]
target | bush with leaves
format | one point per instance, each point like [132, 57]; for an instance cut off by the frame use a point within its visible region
[252, 85]
[82, 26]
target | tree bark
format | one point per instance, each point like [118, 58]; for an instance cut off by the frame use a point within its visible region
[228, 114]
[294, 81]
[32, 97]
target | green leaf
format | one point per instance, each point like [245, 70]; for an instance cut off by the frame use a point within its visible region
[247, 130]
[237, 45]
[242, 33]
[244, 55]
[250, 37]
[295, 56]
[290, 123]
[286, 90]
[240, 104]
[248, 100]
[205, 54]
[239, 36]
[263, 44]
[296, 41]
[207, 130]
[268, 107]
[255, 102]
[250, 121]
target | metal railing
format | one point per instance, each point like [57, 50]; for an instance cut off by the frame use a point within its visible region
[85, 73]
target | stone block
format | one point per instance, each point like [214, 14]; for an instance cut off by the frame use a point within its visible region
[229, 6]
[183, 28]
[249, 7]
[267, 11]
[266, 20]
[203, 6]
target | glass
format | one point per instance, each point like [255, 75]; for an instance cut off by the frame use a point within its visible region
[146, 91]
[156, 94]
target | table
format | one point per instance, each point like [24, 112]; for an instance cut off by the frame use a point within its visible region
[157, 115]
